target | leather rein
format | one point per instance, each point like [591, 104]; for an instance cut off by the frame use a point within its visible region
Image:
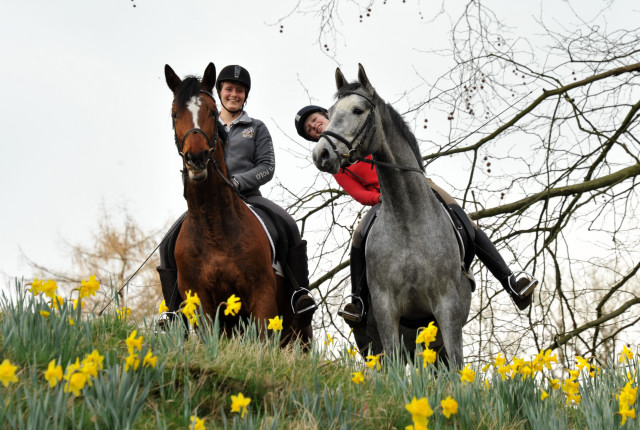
[368, 129]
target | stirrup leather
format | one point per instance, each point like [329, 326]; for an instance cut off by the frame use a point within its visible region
[350, 316]
[294, 297]
[528, 289]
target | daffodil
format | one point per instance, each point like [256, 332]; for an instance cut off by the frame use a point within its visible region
[132, 361]
[239, 404]
[89, 288]
[123, 313]
[581, 363]
[75, 383]
[36, 286]
[428, 356]
[357, 377]
[373, 362]
[49, 288]
[555, 383]
[427, 334]
[449, 406]
[78, 302]
[352, 351]
[134, 343]
[163, 307]
[71, 321]
[420, 411]
[8, 373]
[56, 301]
[196, 423]
[626, 354]
[95, 358]
[54, 374]
[627, 413]
[45, 314]
[149, 360]
[329, 340]
[544, 395]
[275, 323]
[233, 305]
[466, 374]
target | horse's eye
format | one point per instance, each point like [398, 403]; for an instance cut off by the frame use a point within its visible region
[357, 111]
[212, 113]
[174, 115]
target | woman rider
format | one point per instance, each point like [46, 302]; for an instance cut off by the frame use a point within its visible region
[360, 181]
[251, 163]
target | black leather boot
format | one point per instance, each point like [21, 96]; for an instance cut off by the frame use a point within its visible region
[302, 302]
[354, 312]
[520, 290]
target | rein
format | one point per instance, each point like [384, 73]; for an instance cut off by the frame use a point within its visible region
[368, 127]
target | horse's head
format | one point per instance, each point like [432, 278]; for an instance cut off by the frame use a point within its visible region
[195, 119]
[353, 120]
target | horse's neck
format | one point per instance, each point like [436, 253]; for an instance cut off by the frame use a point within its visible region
[213, 201]
[405, 191]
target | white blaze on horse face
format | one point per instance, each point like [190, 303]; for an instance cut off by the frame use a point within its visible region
[194, 107]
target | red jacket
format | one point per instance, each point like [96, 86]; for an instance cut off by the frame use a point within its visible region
[360, 181]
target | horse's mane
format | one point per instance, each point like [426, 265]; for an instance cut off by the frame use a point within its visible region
[396, 119]
[189, 87]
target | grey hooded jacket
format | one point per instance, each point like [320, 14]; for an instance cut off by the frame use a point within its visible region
[250, 158]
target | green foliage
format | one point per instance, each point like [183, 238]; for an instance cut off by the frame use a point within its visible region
[196, 374]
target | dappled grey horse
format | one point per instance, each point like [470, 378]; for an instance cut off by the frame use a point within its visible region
[413, 260]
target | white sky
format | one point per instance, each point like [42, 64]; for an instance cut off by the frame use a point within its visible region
[84, 117]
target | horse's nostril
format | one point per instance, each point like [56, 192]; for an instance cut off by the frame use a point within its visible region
[324, 155]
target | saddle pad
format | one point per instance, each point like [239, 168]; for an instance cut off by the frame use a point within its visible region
[271, 232]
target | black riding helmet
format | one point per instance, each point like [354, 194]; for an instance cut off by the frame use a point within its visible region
[234, 73]
[302, 116]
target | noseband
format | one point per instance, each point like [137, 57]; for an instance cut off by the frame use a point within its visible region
[368, 128]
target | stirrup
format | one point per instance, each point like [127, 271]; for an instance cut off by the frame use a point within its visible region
[528, 289]
[350, 316]
[294, 297]
[163, 320]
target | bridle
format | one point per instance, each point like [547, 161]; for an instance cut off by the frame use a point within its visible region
[211, 143]
[368, 127]
[367, 130]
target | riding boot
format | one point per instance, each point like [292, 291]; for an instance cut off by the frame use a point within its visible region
[168, 273]
[353, 313]
[301, 300]
[520, 290]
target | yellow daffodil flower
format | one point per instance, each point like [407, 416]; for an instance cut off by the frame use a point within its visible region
[45, 314]
[49, 288]
[57, 301]
[239, 404]
[95, 358]
[123, 313]
[357, 378]
[466, 374]
[78, 302]
[626, 413]
[427, 334]
[150, 360]
[75, 382]
[8, 373]
[544, 395]
[134, 343]
[163, 307]
[71, 321]
[54, 374]
[449, 407]
[626, 354]
[499, 361]
[420, 411]
[329, 340]
[36, 286]
[132, 361]
[373, 361]
[353, 351]
[275, 323]
[89, 288]
[197, 423]
[428, 356]
[233, 305]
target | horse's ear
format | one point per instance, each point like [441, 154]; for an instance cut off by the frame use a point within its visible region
[209, 78]
[172, 79]
[340, 80]
[362, 77]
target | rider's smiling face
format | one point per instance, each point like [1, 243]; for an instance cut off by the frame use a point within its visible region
[315, 124]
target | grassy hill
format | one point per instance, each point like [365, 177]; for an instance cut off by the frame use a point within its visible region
[62, 369]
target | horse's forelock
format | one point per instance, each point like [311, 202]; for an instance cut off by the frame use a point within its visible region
[189, 87]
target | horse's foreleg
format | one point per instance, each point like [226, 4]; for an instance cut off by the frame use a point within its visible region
[450, 323]
[388, 323]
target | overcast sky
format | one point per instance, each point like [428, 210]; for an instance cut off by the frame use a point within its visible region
[85, 108]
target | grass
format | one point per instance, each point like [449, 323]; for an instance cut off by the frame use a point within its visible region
[288, 388]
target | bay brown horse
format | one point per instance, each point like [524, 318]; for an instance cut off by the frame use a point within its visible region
[222, 248]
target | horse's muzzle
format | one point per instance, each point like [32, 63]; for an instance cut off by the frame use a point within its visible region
[325, 158]
[196, 165]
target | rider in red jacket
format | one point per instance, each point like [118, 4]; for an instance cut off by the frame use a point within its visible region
[360, 181]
